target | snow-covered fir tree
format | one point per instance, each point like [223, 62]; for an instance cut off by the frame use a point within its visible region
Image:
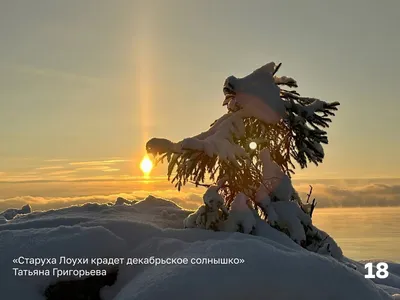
[247, 157]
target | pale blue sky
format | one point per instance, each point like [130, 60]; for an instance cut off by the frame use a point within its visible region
[91, 80]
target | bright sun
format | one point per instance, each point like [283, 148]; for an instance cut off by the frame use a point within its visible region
[146, 165]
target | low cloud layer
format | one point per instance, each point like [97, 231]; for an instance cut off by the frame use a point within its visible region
[186, 200]
[354, 194]
[328, 193]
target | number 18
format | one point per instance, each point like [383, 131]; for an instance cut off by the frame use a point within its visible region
[381, 270]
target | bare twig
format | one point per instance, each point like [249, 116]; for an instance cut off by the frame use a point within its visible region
[309, 194]
[313, 205]
[277, 69]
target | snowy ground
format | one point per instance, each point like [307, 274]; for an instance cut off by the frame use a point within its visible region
[271, 267]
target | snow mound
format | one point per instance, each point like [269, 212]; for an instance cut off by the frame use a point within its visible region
[286, 274]
[270, 266]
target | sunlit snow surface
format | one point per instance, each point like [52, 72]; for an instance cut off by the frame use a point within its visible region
[275, 268]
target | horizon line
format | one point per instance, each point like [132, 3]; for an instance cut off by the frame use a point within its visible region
[158, 178]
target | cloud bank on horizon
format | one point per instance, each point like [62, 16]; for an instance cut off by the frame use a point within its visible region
[55, 194]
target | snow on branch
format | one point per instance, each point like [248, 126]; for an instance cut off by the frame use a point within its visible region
[290, 126]
[299, 135]
[288, 81]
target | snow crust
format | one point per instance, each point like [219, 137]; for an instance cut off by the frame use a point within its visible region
[274, 266]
